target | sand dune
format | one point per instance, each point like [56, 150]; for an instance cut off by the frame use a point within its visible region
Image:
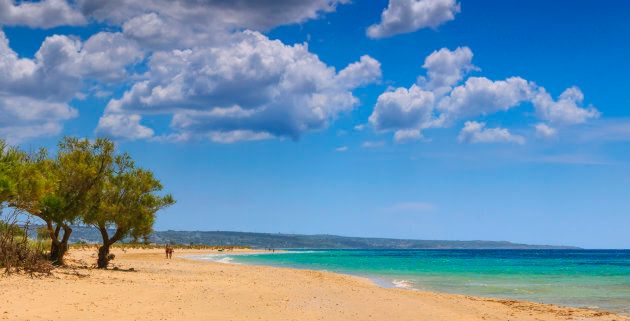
[182, 289]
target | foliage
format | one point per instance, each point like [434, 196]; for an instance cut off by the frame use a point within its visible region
[9, 160]
[85, 183]
[128, 202]
[62, 190]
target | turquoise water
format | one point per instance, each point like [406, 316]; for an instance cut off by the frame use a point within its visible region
[597, 279]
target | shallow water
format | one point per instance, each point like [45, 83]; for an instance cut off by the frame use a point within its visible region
[584, 278]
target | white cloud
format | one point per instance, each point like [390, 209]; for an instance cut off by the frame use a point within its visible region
[403, 109]
[228, 137]
[445, 97]
[156, 32]
[39, 14]
[34, 93]
[482, 96]
[249, 85]
[216, 80]
[405, 135]
[476, 132]
[20, 133]
[255, 14]
[342, 149]
[363, 72]
[544, 130]
[402, 16]
[62, 63]
[22, 118]
[123, 126]
[565, 110]
[181, 24]
[446, 68]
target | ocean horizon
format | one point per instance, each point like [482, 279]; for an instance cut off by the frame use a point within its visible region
[594, 279]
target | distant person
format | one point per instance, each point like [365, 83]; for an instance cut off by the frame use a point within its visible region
[169, 252]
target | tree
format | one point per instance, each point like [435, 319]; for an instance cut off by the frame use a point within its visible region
[60, 191]
[127, 205]
[9, 160]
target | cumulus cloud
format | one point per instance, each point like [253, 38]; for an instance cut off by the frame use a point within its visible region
[566, 109]
[34, 93]
[403, 109]
[62, 63]
[39, 14]
[216, 78]
[402, 16]
[446, 68]
[156, 32]
[178, 24]
[482, 96]
[254, 14]
[544, 130]
[123, 126]
[476, 132]
[251, 87]
[23, 118]
[363, 72]
[15, 134]
[445, 97]
[405, 135]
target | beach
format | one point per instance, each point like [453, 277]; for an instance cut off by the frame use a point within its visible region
[184, 289]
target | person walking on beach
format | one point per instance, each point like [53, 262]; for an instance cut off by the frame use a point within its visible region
[169, 251]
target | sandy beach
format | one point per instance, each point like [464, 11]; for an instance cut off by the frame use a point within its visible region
[184, 289]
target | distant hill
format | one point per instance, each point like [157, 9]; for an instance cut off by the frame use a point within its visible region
[295, 241]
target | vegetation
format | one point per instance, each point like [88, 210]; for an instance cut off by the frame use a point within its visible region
[19, 253]
[86, 183]
[225, 239]
[127, 203]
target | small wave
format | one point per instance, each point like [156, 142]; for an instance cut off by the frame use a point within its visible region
[218, 258]
[226, 260]
[403, 284]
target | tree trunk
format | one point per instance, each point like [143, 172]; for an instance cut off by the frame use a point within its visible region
[54, 237]
[103, 251]
[58, 252]
[103, 256]
[58, 249]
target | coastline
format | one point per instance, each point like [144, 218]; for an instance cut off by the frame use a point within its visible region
[187, 289]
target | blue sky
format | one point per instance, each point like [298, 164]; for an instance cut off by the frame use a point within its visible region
[494, 120]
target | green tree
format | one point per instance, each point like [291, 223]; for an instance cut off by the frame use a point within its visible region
[127, 205]
[60, 191]
[9, 161]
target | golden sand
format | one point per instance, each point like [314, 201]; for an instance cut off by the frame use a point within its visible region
[183, 289]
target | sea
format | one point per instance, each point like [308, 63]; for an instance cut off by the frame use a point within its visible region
[596, 279]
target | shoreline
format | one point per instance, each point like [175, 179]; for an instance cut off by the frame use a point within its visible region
[381, 281]
[186, 289]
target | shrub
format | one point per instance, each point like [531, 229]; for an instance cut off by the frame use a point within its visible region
[18, 253]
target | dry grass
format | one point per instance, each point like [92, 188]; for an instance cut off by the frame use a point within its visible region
[18, 253]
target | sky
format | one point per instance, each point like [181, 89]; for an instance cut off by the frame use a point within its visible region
[423, 119]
